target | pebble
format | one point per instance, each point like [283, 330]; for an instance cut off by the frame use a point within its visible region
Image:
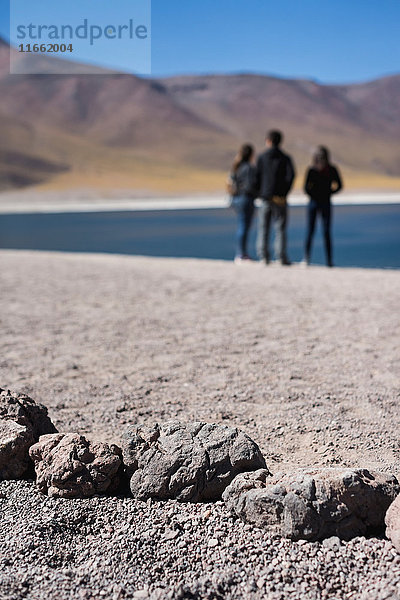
[332, 542]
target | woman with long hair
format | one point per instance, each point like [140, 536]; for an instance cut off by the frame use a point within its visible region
[322, 180]
[242, 188]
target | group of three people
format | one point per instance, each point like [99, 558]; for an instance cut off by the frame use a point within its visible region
[271, 179]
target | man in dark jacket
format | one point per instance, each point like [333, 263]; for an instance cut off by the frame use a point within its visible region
[275, 176]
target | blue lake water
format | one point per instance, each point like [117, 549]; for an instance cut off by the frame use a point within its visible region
[364, 236]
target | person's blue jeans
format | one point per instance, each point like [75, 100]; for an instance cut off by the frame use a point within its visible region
[269, 213]
[324, 209]
[244, 208]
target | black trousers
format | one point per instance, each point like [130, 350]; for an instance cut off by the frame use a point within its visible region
[325, 211]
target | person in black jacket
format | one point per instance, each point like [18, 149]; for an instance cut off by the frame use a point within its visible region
[322, 180]
[243, 180]
[275, 176]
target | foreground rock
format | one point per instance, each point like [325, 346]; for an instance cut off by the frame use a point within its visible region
[70, 466]
[313, 504]
[22, 422]
[392, 521]
[191, 462]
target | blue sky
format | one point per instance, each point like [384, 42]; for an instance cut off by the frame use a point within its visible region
[336, 41]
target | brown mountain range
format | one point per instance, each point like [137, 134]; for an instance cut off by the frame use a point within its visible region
[122, 132]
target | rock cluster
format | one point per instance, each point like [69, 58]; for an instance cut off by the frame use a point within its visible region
[197, 462]
[70, 466]
[191, 462]
[22, 422]
[313, 504]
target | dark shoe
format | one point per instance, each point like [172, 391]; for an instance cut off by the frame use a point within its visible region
[285, 262]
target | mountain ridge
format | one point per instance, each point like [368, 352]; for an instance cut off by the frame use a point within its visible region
[156, 134]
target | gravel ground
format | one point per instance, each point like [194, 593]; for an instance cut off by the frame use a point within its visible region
[121, 548]
[303, 360]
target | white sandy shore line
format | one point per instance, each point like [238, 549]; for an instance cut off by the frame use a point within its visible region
[55, 205]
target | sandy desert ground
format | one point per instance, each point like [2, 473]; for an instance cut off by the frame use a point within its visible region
[304, 360]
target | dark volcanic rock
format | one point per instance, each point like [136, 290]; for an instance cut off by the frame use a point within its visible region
[190, 462]
[392, 521]
[313, 504]
[70, 466]
[22, 422]
[25, 411]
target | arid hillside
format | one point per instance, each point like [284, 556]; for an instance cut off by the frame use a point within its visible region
[361, 123]
[111, 132]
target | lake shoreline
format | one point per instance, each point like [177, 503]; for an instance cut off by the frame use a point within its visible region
[53, 204]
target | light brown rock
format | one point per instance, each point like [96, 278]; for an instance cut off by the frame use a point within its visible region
[70, 466]
[392, 521]
[22, 421]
